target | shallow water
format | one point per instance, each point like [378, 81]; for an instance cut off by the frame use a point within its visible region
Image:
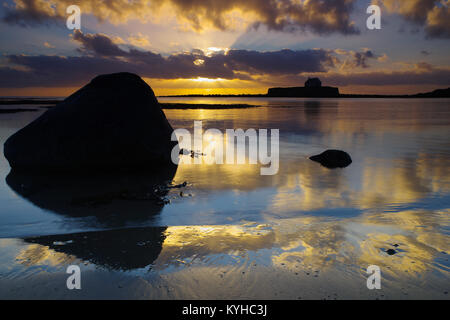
[306, 232]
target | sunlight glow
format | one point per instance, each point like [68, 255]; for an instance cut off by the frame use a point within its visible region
[201, 79]
[199, 62]
[212, 50]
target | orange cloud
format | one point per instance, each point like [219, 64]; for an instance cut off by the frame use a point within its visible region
[322, 17]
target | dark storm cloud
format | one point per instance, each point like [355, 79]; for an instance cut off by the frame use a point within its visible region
[359, 59]
[98, 43]
[30, 13]
[433, 15]
[319, 16]
[253, 62]
[279, 62]
[102, 55]
[438, 25]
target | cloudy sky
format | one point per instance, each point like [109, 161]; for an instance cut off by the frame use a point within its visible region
[225, 46]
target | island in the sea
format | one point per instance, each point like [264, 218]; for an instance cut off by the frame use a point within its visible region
[312, 89]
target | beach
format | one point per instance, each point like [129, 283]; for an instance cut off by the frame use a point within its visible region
[230, 233]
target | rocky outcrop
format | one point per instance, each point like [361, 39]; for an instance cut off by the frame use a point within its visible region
[312, 89]
[304, 92]
[113, 122]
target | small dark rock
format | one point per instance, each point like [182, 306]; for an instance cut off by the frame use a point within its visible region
[181, 185]
[333, 159]
[391, 252]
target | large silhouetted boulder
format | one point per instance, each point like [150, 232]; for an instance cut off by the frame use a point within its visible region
[113, 122]
[333, 159]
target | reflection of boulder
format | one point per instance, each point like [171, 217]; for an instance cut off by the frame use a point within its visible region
[114, 121]
[114, 199]
[122, 249]
[333, 159]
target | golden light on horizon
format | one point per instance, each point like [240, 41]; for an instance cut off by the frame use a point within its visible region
[202, 79]
[204, 85]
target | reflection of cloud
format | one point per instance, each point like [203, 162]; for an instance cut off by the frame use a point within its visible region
[36, 254]
[384, 177]
[210, 256]
[310, 242]
[185, 242]
[364, 240]
[315, 247]
[383, 183]
[312, 188]
[317, 16]
[406, 181]
[419, 238]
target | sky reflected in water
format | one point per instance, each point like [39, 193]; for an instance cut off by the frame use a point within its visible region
[307, 232]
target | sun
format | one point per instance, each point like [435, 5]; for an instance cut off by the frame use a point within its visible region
[202, 79]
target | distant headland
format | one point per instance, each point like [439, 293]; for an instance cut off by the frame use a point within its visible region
[312, 89]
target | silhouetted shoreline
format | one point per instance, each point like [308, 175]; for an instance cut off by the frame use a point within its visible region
[165, 105]
[439, 93]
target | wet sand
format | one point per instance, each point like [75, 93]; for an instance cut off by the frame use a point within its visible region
[229, 233]
[309, 261]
